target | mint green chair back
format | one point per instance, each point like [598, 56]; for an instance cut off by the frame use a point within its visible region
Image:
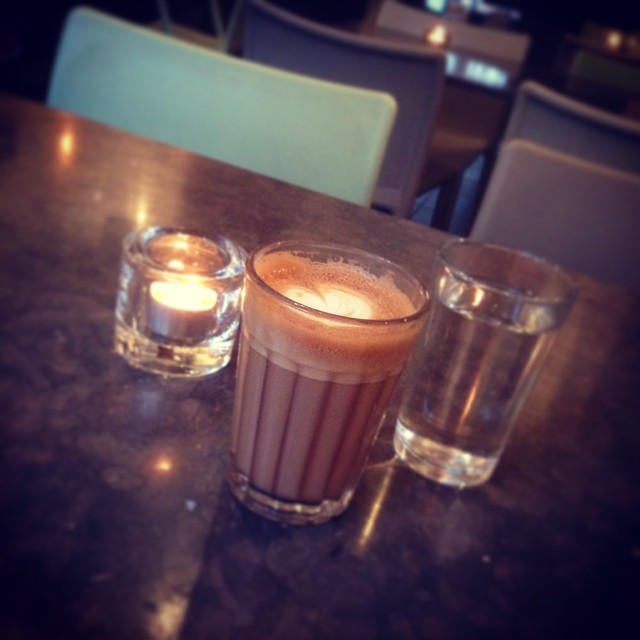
[316, 134]
[414, 76]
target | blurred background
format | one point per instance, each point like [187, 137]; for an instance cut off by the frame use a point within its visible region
[30, 29]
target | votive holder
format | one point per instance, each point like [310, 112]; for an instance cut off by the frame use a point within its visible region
[178, 304]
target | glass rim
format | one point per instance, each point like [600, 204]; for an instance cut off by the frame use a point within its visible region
[290, 245]
[571, 288]
[136, 246]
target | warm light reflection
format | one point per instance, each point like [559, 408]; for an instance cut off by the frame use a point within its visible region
[166, 623]
[66, 146]
[171, 615]
[437, 36]
[175, 264]
[614, 39]
[478, 297]
[185, 297]
[163, 464]
[374, 513]
[441, 282]
[471, 400]
[142, 212]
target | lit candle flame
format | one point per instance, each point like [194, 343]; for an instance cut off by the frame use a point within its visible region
[186, 297]
[437, 36]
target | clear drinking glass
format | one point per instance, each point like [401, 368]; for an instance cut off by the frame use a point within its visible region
[178, 305]
[495, 313]
[326, 331]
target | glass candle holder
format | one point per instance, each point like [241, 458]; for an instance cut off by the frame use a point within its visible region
[178, 304]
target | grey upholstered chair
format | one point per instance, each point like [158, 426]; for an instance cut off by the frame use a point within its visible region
[553, 120]
[577, 213]
[485, 62]
[413, 76]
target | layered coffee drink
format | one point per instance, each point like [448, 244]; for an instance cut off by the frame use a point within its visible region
[326, 331]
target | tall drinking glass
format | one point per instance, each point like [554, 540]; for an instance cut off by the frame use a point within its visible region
[326, 331]
[495, 314]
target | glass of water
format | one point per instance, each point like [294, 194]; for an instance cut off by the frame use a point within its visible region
[495, 313]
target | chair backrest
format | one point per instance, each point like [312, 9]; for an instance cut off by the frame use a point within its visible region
[415, 77]
[319, 135]
[550, 119]
[579, 214]
[484, 41]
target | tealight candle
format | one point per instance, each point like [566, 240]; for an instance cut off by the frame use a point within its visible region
[181, 310]
[178, 305]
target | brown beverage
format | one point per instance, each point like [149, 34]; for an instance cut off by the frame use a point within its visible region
[323, 343]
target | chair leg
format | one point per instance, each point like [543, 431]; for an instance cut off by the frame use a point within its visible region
[165, 16]
[490, 158]
[234, 20]
[218, 23]
[446, 202]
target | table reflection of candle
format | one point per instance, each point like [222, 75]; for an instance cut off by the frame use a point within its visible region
[437, 36]
[181, 310]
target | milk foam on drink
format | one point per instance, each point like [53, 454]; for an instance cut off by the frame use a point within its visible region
[318, 363]
[326, 344]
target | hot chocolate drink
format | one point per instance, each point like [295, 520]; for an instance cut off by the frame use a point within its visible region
[324, 340]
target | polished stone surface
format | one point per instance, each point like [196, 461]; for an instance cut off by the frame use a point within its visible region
[115, 519]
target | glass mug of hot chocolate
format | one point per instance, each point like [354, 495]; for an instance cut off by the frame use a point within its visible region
[326, 332]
